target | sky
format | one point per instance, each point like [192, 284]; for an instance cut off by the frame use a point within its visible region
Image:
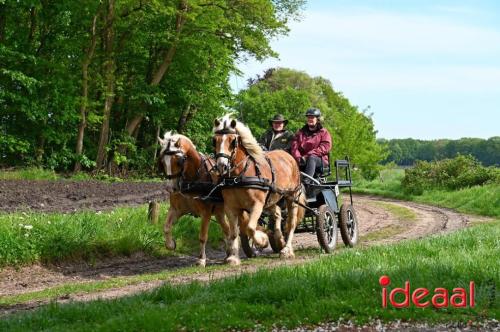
[425, 69]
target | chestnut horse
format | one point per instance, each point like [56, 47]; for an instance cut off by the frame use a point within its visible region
[253, 181]
[188, 176]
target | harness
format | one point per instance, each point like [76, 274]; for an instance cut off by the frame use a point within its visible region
[243, 181]
[192, 186]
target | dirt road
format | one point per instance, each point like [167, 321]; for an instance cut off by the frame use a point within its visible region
[379, 224]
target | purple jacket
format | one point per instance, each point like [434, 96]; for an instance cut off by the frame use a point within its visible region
[306, 143]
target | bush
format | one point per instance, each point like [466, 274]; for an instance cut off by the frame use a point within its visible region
[448, 174]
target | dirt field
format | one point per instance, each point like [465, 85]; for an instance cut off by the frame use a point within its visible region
[67, 196]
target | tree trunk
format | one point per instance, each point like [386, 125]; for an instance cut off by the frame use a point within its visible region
[167, 59]
[109, 74]
[156, 147]
[32, 24]
[40, 150]
[185, 117]
[83, 108]
[3, 18]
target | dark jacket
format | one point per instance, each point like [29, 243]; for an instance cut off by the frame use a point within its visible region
[282, 141]
[306, 143]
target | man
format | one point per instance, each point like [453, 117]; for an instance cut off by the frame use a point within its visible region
[277, 137]
[311, 144]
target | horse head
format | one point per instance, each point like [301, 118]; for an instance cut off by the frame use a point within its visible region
[230, 135]
[173, 155]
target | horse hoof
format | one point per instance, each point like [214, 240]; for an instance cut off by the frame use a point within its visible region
[233, 260]
[170, 245]
[260, 239]
[201, 262]
[287, 253]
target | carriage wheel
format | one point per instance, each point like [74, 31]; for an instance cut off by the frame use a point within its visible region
[348, 225]
[326, 228]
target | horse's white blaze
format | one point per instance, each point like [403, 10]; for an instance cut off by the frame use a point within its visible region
[167, 159]
[222, 162]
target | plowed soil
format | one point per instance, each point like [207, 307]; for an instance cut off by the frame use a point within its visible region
[68, 196]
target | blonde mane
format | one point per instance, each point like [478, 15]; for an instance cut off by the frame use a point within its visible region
[247, 139]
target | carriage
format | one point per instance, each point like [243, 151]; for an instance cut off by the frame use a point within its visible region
[324, 216]
[250, 183]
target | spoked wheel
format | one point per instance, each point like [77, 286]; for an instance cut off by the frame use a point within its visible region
[326, 228]
[348, 225]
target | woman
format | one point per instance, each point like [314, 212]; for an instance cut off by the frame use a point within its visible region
[311, 144]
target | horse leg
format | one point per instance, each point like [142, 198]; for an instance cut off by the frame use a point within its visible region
[233, 242]
[292, 220]
[278, 235]
[226, 230]
[205, 222]
[172, 216]
[259, 237]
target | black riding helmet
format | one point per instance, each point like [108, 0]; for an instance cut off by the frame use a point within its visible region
[314, 112]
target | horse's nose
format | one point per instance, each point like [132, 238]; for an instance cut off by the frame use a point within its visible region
[222, 166]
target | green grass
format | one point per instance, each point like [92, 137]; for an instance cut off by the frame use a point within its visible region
[28, 174]
[482, 200]
[338, 286]
[33, 237]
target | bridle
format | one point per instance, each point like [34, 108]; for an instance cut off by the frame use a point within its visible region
[234, 146]
[180, 162]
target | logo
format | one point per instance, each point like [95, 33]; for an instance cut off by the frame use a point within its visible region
[423, 297]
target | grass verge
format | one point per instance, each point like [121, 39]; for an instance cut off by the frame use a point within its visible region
[339, 286]
[53, 237]
[482, 200]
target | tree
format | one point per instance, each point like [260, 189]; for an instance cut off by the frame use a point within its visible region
[96, 80]
[291, 92]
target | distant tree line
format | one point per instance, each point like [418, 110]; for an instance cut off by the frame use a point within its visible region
[407, 151]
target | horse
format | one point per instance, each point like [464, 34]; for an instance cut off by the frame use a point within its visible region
[188, 176]
[253, 181]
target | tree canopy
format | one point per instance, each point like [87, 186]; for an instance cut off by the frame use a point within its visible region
[291, 93]
[91, 83]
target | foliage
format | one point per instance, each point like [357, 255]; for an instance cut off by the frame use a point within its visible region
[339, 287]
[407, 151]
[168, 63]
[450, 174]
[291, 93]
